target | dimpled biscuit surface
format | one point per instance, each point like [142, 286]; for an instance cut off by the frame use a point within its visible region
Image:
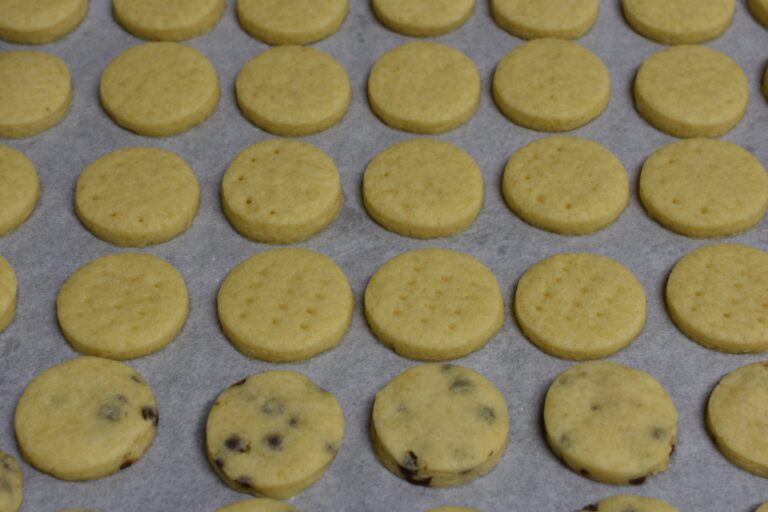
[8, 291]
[39, 21]
[168, 20]
[679, 21]
[423, 17]
[19, 188]
[280, 22]
[628, 502]
[533, 19]
[257, 505]
[11, 484]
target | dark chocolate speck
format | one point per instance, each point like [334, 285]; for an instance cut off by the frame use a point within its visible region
[274, 441]
[219, 462]
[126, 463]
[461, 385]
[244, 481]
[235, 443]
[294, 422]
[638, 481]
[487, 414]
[238, 383]
[591, 508]
[150, 414]
[409, 468]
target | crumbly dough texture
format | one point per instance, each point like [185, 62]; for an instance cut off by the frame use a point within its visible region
[718, 296]
[137, 196]
[551, 85]
[273, 434]
[159, 89]
[285, 305]
[630, 503]
[424, 87]
[85, 418]
[438, 425]
[423, 18]
[25, 110]
[568, 185]
[610, 423]
[122, 305]
[434, 304]
[257, 505]
[283, 22]
[691, 91]
[423, 188]
[580, 305]
[39, 21]
[679, 21]
[534, 19]
[281, 191]
[11, 484]
[293, 90]
[19, 188]
[759, 9]
[704, 187]
[8, 290]
[168, 20]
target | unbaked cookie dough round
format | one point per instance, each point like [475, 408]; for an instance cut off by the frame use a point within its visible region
[273, 434]
[257, 505]
[159, 89]
[438, 425]
[11, 484]
[759, 9]
[281, 191]
[434, 304]
[423, 188]
[137, 196]
[423, 18]
[679, 21]
[39, 21]
[580, 305]
[424, 87]
[8, 291]
[122, 306]
[630, 503]
[25, 110]
[691, 91]
[551, 85]
[280, 22]
[534, 19]
[568, 185]
[168, 20]
[85, 418]
[285, 305]
[610, 423]
[19, 188]
[293, 90]
[704, 187]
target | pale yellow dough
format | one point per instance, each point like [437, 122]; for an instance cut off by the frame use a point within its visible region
[281, 191]
[551, 85]
[423, 18]
[39, 21]
[759, 9]
[423, 188]
[424, 87]
[691, 91]
[8, 291]
[628, 502]
[280, 22]
[293, 90]
[534, 19]
[763, 507]
[257, 505]
[568, 185]
[718, 296]
[36, 92]
[19, 188]
[137, 196]
[679, 21]
[159, 89]
[168, 20]
[11, 484]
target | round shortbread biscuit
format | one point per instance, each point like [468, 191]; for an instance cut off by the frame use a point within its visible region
[282, 22]
[137, 196]
[630, 503]
[168, 20]
[8, 291]
[610, 423]
[568, 185]
[293, 90]
[679, 21]
[85, 418]
[759, 9]
[423, 18]
[704, 187]
[551, 85]
[533, 19]
[424, 87]
[257, 505]
[452, 508]
[281, 191]
[285, 305]
[438, 425]
[691, 91]
[718, 296]
[11, 484]
[25, 110]
[19, 188]
[273, 434]
[580, 305]
[39, 21]
[434, 304]
[159, 89]
[423, 188]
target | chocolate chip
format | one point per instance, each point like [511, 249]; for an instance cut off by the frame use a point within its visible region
[274, 441]
[564, 441]
[461, 385]
[219, 462]
[584, 472]
[5, 461]
[447, 367]
[638, 481]
[136, 378]
[238, 383]
[126, 464]
[595, 407]
[591, 508]
[294, 422]
[273, 407]
[331, 448]
[149, 413]
[235, 443]
[672, 449]
[487, 414]
[409, 468]
[244, 481]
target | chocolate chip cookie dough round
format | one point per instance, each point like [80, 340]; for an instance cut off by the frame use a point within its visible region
[759, 9]
[627, 502]
[691, 91]
[439, 425]
[273, 434]
[11, 484]
[168, 20]
[8, 290]
[257, 505]
[85, 418]
[423, 18]
[279, 22]
[39, 21]
[424, 87]
[610, 423]
[159, 89]
[533, 19]
[19, 188]
[679, 21]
